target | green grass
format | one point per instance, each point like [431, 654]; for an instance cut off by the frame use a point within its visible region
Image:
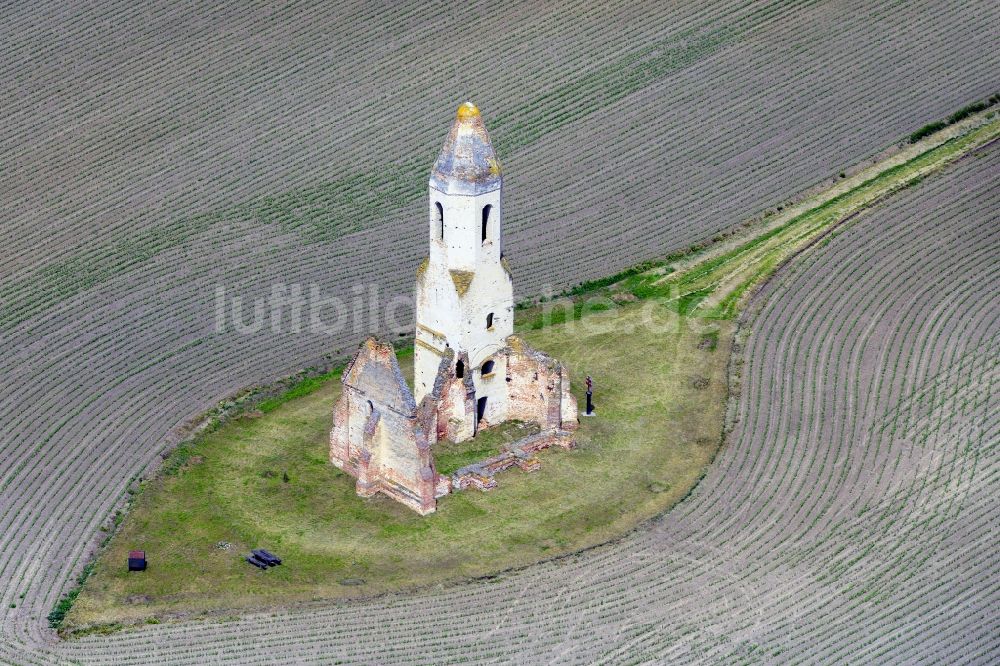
[649, 445]
[304, 388]
[927, 130]
[264, 480]
[449, 457]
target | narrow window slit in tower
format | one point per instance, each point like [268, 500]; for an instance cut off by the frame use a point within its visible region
[486, 220]
[440, 220]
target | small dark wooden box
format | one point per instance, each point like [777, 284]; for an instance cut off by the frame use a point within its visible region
[137, 560]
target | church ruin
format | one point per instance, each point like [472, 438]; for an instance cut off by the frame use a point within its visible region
[470, 370]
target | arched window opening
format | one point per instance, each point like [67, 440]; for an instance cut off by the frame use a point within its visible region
[486, 220]
[371, 407]
[489, 321]
[440, 219]
[487, 368]
[460, 369]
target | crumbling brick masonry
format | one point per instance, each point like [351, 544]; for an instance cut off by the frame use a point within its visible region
[470, 371]
[384, 439]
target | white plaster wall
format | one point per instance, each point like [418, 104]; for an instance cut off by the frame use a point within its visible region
[444, 317]
[462, 247]
[494, 388]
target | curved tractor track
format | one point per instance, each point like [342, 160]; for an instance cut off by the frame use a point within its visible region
[848, 519]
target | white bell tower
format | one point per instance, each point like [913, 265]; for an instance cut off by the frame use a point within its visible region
[465, 297]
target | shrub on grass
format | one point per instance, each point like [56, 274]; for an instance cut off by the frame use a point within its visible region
[958, 116]
[927, 130]
[966, 111]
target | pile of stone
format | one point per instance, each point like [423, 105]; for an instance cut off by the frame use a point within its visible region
[482, 475]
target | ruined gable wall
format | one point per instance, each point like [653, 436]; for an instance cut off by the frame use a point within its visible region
[399, 447]
[457, 411]
[455, 399]
[378, 435]
[340, 453]
[538, 388]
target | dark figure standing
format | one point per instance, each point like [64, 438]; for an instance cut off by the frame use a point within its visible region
[590, 396]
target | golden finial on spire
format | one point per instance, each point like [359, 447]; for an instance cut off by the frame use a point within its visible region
[467, 110]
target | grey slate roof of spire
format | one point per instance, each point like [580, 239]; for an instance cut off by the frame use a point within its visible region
[467, 163]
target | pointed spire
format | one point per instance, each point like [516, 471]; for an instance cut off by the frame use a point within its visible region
[467, 163]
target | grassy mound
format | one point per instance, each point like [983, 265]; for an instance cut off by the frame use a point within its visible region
[266, 481]
[659, 365]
